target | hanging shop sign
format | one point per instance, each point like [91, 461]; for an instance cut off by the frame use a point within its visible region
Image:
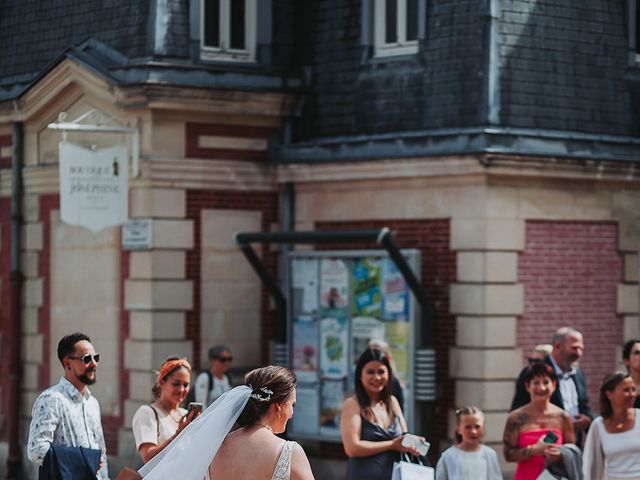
[94, 186]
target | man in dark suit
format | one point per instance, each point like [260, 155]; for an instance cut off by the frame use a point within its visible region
[571, 392]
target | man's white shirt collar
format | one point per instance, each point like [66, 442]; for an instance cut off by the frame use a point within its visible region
[559, 372]
[71, 390]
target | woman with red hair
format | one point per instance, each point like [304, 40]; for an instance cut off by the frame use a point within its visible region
[156, 425]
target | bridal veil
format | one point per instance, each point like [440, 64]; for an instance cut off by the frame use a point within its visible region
[188, 456]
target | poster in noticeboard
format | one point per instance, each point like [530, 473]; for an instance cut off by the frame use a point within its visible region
[333, 348]
[305, 348]
[331, 400]
[340, 301]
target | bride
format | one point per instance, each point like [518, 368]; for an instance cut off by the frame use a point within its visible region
[206, 449]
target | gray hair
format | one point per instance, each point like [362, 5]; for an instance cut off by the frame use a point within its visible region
[562, 333]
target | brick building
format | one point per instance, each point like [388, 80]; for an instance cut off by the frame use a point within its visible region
[500, 138]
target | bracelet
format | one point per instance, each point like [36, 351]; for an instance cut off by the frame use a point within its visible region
[527, 451]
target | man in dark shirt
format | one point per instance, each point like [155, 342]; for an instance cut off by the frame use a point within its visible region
[571, 392]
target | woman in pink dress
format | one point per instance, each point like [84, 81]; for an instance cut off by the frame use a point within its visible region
[534, 430]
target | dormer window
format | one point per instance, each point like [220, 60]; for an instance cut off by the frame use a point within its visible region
[228, 30]
[396, 27]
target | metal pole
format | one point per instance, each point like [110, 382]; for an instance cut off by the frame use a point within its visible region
[13, 334]
[272, 286]
[309, 237]
[426, 316]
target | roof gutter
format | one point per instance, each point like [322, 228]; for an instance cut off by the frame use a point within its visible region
[462, 141]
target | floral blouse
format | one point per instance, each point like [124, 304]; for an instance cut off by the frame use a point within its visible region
[61, 415]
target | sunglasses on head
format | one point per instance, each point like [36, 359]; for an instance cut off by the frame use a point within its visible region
[224, 359]
[87, 357]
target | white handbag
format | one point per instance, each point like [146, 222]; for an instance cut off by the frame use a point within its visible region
[406, 470]
[545, 475]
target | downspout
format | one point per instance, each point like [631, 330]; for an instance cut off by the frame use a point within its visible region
[13, 337]
[288, 225]
[492, 65]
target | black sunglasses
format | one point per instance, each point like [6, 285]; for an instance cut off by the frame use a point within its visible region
[87, 357]
[224, 359]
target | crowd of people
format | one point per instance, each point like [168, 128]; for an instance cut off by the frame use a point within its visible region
[550, 432]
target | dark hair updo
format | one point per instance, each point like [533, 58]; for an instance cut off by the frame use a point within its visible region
[280, 381]
[609, 384]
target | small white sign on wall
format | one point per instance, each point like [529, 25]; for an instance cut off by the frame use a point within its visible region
[94, 186]
[137, 234]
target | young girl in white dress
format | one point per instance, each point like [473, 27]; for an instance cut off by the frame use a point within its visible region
[469, 458]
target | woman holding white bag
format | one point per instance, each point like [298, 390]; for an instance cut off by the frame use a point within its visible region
[372, 424]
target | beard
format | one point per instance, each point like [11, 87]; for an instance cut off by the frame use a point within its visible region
[84, 378]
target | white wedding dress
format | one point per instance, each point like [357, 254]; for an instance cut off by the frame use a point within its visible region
[188, 456]
[283, 467]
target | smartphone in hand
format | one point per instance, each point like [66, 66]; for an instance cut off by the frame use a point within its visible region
[550, 437]
[195, 407]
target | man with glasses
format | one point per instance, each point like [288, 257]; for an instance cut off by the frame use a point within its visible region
[212, 383]
[67, 414]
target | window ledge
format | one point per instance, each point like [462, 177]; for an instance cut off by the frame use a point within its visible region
[227, 56]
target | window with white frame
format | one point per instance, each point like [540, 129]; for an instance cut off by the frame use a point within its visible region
[228, 30]
[396, 24]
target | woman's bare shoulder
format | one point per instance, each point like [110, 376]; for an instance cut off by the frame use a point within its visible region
[351, 402]
[519, 416]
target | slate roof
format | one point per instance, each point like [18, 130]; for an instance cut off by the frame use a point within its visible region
[565, 84]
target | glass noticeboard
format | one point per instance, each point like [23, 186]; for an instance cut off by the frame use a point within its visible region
[338, 302]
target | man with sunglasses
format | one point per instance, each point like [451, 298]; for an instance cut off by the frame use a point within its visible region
[67, 414]
[212, 383]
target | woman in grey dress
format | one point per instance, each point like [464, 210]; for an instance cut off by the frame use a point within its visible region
[371, 423]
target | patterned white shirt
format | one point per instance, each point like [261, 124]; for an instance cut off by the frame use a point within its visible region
[61, 415]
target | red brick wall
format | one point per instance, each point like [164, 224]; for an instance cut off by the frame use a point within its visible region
[570, 272]
[438, 271]
[5, 306]
[198, 200]
[110, 424]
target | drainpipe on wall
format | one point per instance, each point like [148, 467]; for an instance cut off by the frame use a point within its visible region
[492, 63]
[288, 225]
[13, 336]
